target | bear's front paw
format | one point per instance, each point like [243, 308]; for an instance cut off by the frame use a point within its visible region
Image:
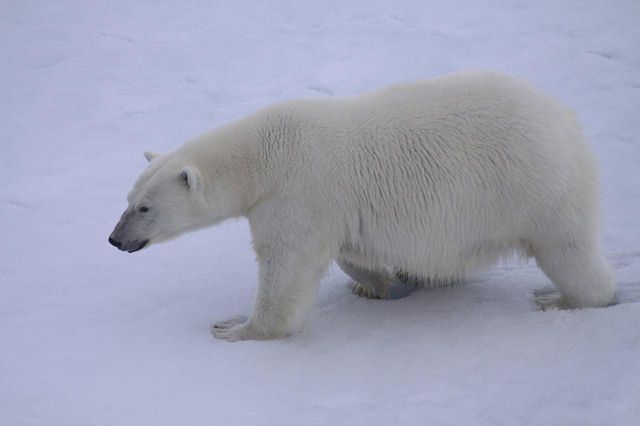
[233, 330]
[241, 328]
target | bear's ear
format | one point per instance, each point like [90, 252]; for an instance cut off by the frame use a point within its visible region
[150, 155]
[191, 177]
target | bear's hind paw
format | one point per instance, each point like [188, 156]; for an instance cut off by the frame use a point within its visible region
[550, 299]
[394, 291]
[368, 292]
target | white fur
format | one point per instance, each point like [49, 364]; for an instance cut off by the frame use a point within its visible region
[435, 178]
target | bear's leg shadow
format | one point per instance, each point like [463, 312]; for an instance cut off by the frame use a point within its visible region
[288, 282]
[580, 273]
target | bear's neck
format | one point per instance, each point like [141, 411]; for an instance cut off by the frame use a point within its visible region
[251, 154]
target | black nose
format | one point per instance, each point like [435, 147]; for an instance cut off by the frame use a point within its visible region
[114, 242]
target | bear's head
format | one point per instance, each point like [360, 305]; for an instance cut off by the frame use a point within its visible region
[168, 199]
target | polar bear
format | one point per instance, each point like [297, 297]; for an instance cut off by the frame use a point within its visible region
[427, 180]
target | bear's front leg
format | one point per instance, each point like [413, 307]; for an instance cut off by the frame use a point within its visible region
[288, 281]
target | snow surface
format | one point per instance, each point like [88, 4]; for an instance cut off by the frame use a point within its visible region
[93, 336]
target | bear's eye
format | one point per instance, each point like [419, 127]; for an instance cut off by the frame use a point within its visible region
[143, 209]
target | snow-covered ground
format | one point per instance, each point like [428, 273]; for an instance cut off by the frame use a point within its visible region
[92, 336]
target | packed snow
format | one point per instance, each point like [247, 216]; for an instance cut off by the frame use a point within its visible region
[93, 336]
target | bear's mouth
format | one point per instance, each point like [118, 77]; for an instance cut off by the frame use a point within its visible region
[139, 246]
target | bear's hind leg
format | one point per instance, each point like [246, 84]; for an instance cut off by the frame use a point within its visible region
[372, 284]
[424, 282]
[580, 273]
[375, 284]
